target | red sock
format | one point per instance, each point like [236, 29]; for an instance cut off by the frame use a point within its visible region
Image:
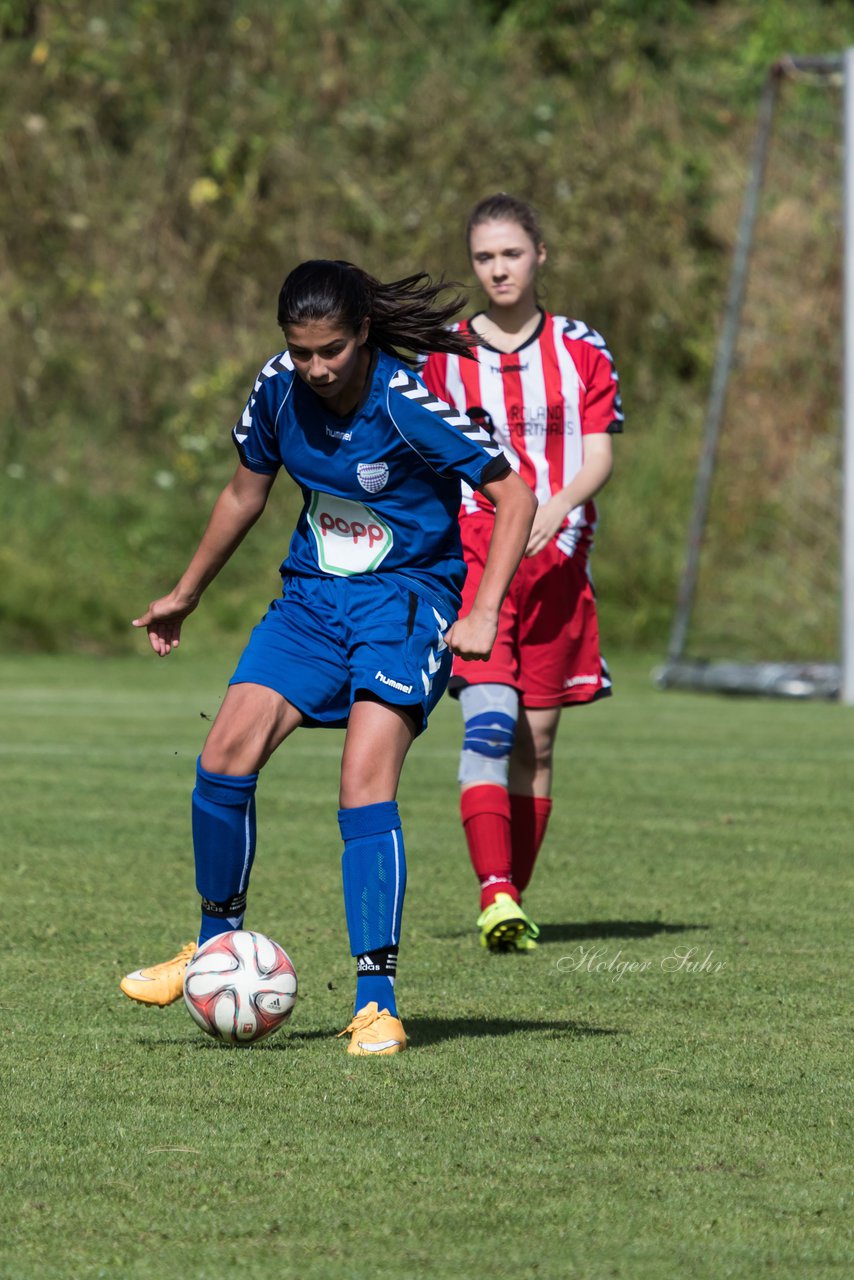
[485, 811]
[529, 818]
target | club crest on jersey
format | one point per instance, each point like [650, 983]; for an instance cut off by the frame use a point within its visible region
[481, 418]
[372, 476]
[350, 537]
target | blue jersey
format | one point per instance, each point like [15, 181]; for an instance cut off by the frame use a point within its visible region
[381, 486]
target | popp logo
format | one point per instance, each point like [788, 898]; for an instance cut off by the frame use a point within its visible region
[352, 529]
[349, 536]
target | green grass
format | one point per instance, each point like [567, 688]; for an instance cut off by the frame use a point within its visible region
[559, 1115]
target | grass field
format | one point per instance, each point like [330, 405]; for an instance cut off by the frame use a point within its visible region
[662, 1090]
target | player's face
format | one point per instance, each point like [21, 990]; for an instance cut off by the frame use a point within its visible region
[505, 261]
[331, 359]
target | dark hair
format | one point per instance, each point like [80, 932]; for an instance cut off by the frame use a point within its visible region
[404, 316]
[504, 208]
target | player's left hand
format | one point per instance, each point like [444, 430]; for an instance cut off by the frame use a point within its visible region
[472, 636]
[548, 519]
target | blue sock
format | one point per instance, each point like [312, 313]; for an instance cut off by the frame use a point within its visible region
[374, 871]
[377, 988]
[224, 846]
[375, 974]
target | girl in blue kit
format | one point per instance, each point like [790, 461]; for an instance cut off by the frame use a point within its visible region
[363, 633]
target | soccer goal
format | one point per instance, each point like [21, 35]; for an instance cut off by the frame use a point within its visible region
[766, 598]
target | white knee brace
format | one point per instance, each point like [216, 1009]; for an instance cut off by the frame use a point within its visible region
[489, 712]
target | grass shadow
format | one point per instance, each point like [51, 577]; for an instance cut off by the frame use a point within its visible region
[422, 1031]
[577, 932]
[427, 1031]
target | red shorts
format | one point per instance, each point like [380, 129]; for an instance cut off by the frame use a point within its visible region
[548, 633]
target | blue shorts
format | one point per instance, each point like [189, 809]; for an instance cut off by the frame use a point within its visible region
[327, 639]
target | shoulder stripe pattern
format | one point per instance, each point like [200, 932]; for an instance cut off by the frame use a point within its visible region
[583, 333]
[580, 332]
[281, 363]
[415, 391]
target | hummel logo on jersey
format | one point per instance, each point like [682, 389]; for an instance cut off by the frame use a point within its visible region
[339, 435]
[508, 368]
[393, 684]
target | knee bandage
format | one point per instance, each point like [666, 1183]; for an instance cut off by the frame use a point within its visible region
[489, 712]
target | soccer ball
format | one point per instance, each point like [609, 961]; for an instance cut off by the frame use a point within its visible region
[240, 987]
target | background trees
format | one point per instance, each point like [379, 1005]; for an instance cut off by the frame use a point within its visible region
[164, 166]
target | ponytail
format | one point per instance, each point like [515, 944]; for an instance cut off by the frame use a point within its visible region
[405, 317]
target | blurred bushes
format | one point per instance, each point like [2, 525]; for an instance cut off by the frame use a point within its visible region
[165, 165]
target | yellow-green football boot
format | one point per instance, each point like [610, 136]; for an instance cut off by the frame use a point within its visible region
[504, 925]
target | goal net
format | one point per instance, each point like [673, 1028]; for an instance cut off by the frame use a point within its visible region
[759, 607]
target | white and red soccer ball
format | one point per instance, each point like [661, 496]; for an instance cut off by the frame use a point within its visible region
[240, 987]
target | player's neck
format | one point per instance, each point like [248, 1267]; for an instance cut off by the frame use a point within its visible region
[508, 328]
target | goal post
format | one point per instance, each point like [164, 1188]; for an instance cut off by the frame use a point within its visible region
[846, 683]
[791, 467]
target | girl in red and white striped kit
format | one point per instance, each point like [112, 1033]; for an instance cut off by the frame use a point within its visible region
[546, 388]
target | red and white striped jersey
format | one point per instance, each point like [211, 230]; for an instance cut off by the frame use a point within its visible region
[537, 403]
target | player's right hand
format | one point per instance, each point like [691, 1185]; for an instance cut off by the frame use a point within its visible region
[162, 620]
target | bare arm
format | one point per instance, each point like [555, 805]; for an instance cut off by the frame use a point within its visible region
[235, 511]
[473, 635]
[596, 466]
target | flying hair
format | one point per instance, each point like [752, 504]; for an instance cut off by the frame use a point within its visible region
[406, 318]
